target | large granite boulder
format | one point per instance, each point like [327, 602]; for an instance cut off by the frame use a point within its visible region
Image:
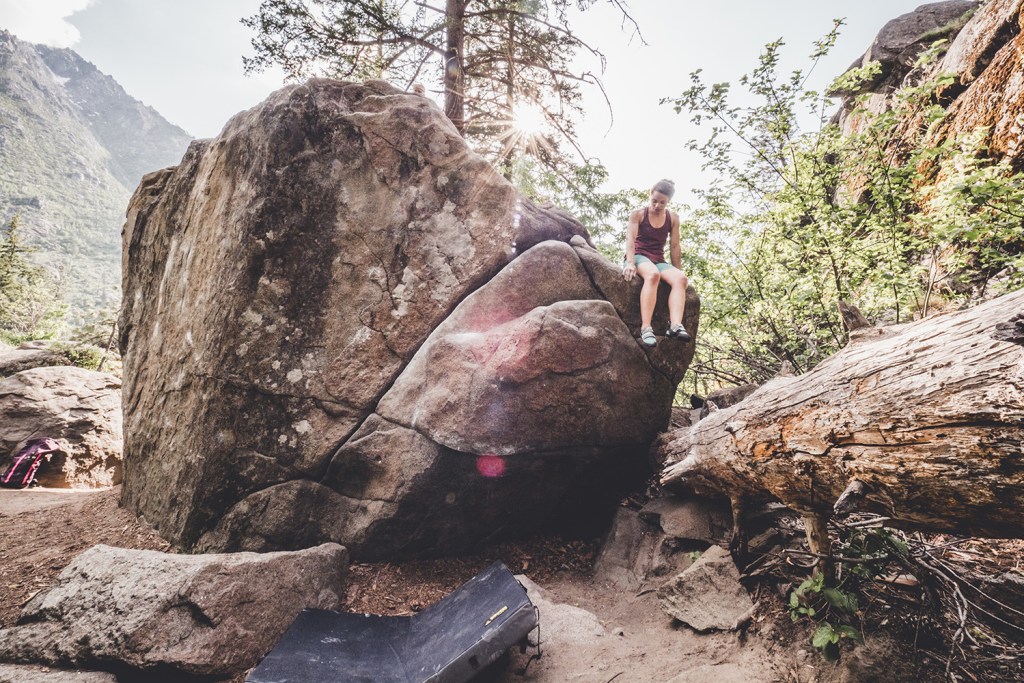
[900, 42]
[896, 49]
[172, 617]
[80, 408]
[318, 345]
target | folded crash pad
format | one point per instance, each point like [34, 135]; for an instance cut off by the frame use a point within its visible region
[448, 642]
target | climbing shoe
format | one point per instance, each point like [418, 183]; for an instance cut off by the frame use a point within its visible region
[647, 337]
[678, 330]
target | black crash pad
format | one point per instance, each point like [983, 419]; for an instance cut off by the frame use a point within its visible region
[448, 642]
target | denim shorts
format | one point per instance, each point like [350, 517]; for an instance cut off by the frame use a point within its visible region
[663, 266]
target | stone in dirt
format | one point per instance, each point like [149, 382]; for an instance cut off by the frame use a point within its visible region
[636, 553]
[173, 615]
[707, 596]
[628, 550]
[692, 518]
[336, 299]
[80, 408]
[14, 673]
[563, 624]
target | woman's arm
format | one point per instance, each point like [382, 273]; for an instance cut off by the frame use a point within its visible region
[629, 246]
[673, 246]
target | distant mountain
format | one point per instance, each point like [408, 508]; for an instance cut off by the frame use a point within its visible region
[73, 147]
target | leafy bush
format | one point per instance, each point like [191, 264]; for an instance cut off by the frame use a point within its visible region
[813, 598]
[80, 355]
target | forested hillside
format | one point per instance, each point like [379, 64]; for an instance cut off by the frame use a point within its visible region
[73, 146]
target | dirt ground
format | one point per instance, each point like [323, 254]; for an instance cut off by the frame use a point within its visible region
[585, 635]
[589, 632]
[43, 529]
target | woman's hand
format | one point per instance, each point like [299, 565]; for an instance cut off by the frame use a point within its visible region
[628, 271]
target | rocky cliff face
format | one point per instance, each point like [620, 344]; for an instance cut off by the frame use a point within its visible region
[984, 53]
[987, 57]
[73, 145]
[341, 324]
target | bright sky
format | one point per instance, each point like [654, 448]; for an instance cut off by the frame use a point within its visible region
[183, 57]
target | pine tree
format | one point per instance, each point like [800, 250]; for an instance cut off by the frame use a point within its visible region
[499, 62]
[31, 305]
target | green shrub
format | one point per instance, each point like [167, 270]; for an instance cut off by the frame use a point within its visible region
[80, 355]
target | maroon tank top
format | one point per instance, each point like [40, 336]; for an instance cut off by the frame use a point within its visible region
[650, 241]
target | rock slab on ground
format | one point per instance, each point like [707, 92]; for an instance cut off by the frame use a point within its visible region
[184, 615]
[14, 673]
[628, 550]
[80, 408]
[707, 596]
[15, 360]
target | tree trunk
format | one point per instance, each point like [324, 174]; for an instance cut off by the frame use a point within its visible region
[454, 66]
[923, 423]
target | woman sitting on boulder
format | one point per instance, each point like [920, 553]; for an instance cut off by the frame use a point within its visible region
[648, 230]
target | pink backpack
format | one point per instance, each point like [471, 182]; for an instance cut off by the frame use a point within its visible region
[22, 470]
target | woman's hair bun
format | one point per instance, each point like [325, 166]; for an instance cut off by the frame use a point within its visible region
[666, 187]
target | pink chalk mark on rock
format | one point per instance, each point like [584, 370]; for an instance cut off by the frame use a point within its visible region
[490, 466]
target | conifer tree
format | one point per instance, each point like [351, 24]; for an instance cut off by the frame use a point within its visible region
[508, 69]
[30, 300]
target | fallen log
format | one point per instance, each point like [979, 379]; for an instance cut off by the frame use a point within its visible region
[923, 423]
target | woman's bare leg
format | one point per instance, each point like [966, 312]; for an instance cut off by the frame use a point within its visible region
[649, 293]
[677, 297]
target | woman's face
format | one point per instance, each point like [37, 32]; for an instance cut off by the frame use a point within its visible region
[658, 201]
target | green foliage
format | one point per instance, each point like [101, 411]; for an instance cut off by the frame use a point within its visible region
[31, 306]
[576, 188]
[826, 638]
[866, 554]
[814, 599]
[802, 220]
[877, 548]
[80, 355]
[99, 331]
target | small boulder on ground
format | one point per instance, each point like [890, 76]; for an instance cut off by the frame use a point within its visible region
[659, 540]
[27, 356]
[563, 624]
[695, 519]
[628, 551]
[80, 408]
[176, 616]
[14, 673]
[707, 596]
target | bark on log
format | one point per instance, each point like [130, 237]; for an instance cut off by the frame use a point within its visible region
[928, 417]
